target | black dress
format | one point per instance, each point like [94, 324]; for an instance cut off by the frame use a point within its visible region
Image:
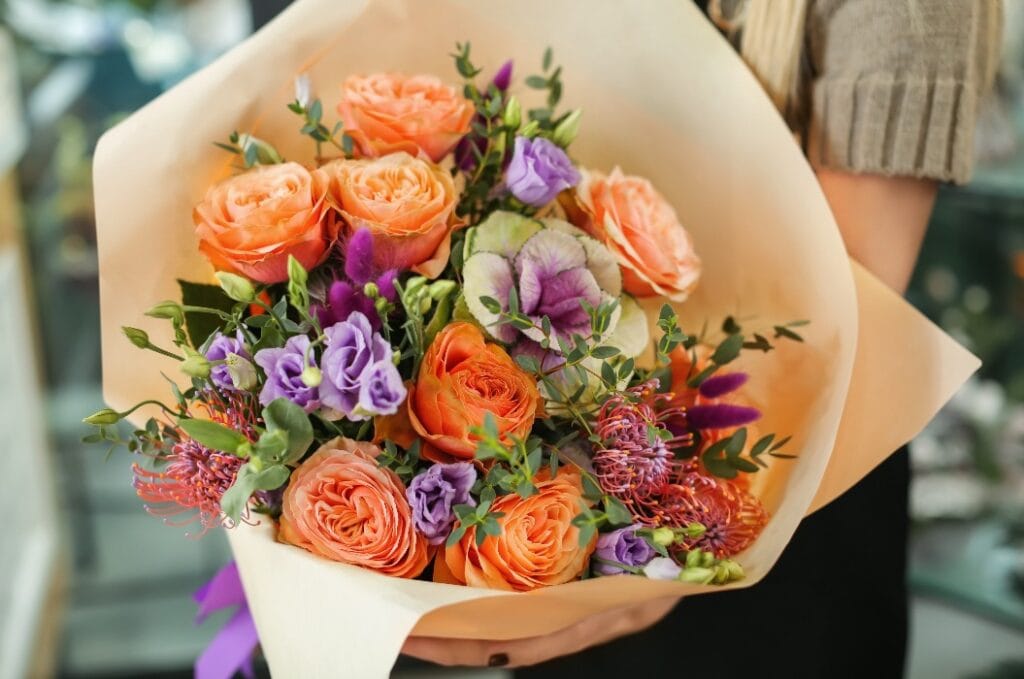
[835, 605]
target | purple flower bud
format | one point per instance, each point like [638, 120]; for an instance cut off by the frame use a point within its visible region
[720, 416]
[503, 78]
[283, 368]
[433, 495]
[359, 257]
[720, 385]
[622, 546]
[539, 171]
[219, 348]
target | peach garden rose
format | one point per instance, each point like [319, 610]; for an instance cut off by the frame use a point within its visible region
[641, 229]
[250, 223]
[538, 545]
[406, 203]
[341, 505]
[389, 112]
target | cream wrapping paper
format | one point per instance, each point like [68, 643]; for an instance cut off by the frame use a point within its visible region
[664, 96]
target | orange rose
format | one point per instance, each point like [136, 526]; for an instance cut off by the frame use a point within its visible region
[641, 229]
[538, 545]
[388, 112]
[461, 379]
[408, 204]
[251, 222]
[341, 505]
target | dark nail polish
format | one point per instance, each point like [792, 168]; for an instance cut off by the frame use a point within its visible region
[498, 660]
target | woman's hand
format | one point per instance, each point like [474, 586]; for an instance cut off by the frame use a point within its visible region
[882, 220]
[590, 632]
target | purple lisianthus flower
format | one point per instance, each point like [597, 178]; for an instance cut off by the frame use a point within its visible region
[662, 568]
[359, 379]
[219, 349]
[622, 546]
[283, 368]
[381, 391]
[539, 171]
[433, 495]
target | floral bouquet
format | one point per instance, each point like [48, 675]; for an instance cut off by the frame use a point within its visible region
[436, 338]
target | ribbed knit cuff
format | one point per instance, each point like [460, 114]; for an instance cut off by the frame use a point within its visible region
[878, 124]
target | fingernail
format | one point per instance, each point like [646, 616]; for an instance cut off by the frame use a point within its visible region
[498, 660]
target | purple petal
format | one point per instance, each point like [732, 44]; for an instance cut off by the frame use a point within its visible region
[721, 416]
[720, 385]
[359, 257]
[386, 285]
[503, 78]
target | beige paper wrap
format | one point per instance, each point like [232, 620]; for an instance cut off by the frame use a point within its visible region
[664, 96]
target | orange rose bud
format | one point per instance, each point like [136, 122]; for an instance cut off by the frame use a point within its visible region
[462, 378]
[538, 545]
[388, 112]
[406, 203]
[252, 222]
[641, 229]
[342, 506]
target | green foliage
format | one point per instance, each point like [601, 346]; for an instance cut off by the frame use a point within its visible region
[284, 417]
[251, 477]
[401, 462]
[203, 306]
[725, 458]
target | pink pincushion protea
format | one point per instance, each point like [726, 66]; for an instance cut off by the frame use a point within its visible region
[635, 460]
[192, 478]
[732, 517]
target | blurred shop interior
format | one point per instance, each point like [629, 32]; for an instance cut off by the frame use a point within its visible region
[90, 586]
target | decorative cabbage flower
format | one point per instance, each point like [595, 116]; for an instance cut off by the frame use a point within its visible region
[554, 268]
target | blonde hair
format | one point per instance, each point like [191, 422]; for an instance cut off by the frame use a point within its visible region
[771, 43]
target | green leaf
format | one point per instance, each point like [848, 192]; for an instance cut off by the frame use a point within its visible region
[546, 63]
[316, 110]
[602, 353]
[282, 414]
[730, 326]
[783, 331]
[213, 435]
[728, 350]
[201, 326]
[534, 459]
[586, 531]
[536, 82]
[525, 488]
[455, 536]
[591, 490]
[699, 378]
[743, 465]
[720, 467]
[779, 444]
[528, 363]
[491, 304]
[271, 446]
[248, 481]
[617, 513]
[761, 445]
[736, 443]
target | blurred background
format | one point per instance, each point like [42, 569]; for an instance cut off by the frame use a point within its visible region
[90, 586]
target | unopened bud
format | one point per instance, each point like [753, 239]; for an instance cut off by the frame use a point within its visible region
[136, 336]
[693, 558]
[698, 575]
[414, 284]
[695, 530]
[196, 365]
[169, 310]
[530, 130]
[663, 536]
[707, 559]
[371, 290]
[396, 356]
[441, 289]
[312, 376]
[513, 114]
[104, 417]
[236, 287]
[382, 305]
[567, 130]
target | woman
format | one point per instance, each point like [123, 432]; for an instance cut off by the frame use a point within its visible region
[884, 95]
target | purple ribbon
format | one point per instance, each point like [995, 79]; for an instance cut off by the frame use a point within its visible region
[232, 649]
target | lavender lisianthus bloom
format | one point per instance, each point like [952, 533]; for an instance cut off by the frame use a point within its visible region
[539, 171]
[359, 379]
[283, 368]
[622, 546]
[662, 568]
[219, 349]
[433, 495]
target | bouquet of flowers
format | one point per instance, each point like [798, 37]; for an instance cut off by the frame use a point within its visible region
[437, 335]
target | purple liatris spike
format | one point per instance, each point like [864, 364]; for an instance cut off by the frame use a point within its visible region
[386, 285]
[359, 257]
[503, 78]
[720, 416]
[720, 385]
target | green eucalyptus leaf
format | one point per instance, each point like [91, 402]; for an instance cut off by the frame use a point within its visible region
[213, 435]
[282, 414]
